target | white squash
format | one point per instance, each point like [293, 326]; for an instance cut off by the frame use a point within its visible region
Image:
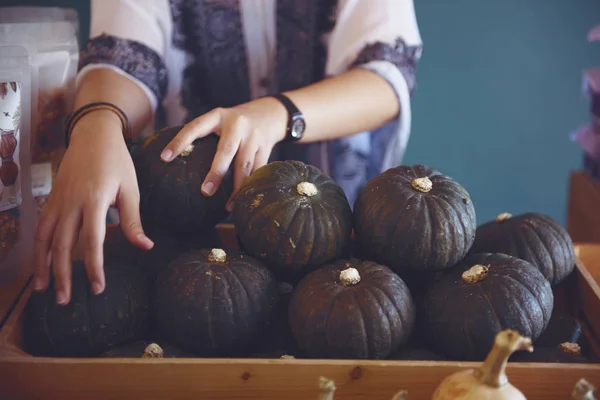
[326, 389]
[583, 390]
[489, 381]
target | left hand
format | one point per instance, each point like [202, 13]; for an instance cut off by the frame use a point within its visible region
[247, 132]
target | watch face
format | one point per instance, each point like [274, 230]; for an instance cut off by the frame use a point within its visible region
[298, 127]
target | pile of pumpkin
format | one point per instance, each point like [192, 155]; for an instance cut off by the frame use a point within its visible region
[406, 274]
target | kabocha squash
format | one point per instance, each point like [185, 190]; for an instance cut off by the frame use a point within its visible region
[466, 307]
[532, 237]
[562, 328]
[414, 218]
[293, 217]
[145, 349]
[489, 381]
[214, 303]
[351, 309]
[170, 196]
[89, 324]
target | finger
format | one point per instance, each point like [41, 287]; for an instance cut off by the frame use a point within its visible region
[128, 203]
[226, 149]
[197, 128]
[93, 232]
[262, 158]
[43, 243]
[244, 160]
[64, 241]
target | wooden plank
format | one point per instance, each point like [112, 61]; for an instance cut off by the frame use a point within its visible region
[260, 379]
[583, 218]
[9, 296]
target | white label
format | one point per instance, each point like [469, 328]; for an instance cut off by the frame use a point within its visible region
[10, 121]
[41, 179]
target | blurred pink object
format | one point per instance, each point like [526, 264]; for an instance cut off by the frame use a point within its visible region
[594, 34]
[588, 138]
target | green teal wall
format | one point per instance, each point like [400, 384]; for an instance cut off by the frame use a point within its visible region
[499, 92]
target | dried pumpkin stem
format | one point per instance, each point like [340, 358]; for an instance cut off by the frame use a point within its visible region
[493, 370]
[422, 184]
[217, 256]
[153, 351]
[570, 348]
[475, 274]
[503, 217]
[583, 390]
[326, 388]
[187, 150]
[307, 189]
[349, 276]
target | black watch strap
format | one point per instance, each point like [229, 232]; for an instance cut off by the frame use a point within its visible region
[296, 124]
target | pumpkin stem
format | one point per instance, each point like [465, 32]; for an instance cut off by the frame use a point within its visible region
[401, 395]
[570, 348]
[583, 390]
[475, 274]
[217, 255]
[326, 388]
[493, 371]
[153, 351]
[503, 217]
[422, 184]
[349, 276]
[287, 357]
[307, 189]
[187, 150]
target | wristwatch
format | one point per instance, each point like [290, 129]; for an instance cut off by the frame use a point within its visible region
[296, 123]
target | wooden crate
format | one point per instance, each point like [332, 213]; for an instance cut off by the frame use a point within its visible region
[24, 377]
[583, 216]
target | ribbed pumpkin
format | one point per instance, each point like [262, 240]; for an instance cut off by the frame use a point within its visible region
[415, 219]
[214, 303]
[293, 217]
[466, 307]
[89, 324]
[170, 196]
[532, 237]
[351, 309]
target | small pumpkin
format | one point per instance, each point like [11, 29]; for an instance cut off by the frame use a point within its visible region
[466, 307]
[170, 196]
[351, 309]
[414, 218]
[145, 349]
[532, 237]
[563, 353]
[562, 328]
[89, 324]
[214, 303]
[292, 217]
[489, 381]
[417, 353]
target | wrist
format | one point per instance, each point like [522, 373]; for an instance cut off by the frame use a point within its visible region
[98, 123]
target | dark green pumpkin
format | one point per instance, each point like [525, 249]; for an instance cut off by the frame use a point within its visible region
[466, 307]
[562, 328]
[89, 324]
[292, 217]
[170, 196]
[351, 309]
[138, 348]
[212, 303]
[532, 237]
[417, 353]
[414, 219]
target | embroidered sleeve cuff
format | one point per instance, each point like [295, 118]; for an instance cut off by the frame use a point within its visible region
[402, 56]
[133, 58]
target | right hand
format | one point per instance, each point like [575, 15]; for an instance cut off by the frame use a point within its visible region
[96, 172]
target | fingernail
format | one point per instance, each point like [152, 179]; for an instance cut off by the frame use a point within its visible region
[166, 155]
[96, 287]
[145, 239]
[208, 188]
[61, 298]
[37, 284]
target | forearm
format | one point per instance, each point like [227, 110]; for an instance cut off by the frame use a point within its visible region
[104, 85]
[354, 101]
